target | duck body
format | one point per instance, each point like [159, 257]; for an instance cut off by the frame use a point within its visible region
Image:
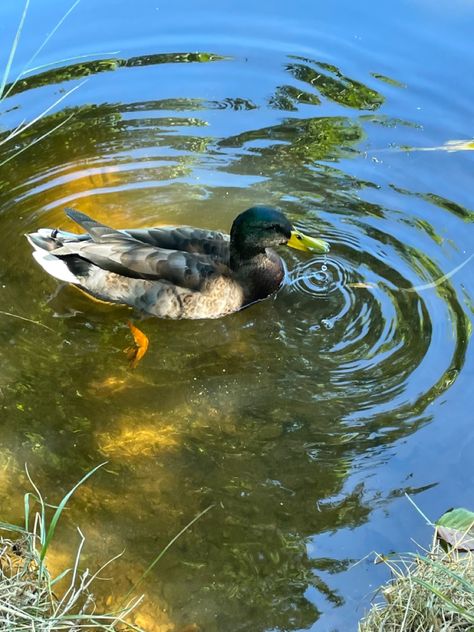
[171, 272]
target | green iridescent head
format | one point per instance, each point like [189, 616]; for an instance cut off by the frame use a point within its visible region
[262, 227]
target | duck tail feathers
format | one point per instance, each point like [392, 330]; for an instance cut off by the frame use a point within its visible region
[96, 230]
[55, 266]
[41, 240]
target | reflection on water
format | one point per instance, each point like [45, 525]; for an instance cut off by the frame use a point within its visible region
[329, 82]
[270, 415]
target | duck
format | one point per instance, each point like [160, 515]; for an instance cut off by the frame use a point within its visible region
[176, 272]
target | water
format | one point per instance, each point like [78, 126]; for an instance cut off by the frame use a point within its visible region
[305, 419]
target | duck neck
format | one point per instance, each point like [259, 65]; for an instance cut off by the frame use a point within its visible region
[243, 257]
[260, 275]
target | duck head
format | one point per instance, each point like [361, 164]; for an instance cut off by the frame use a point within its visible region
[262, 227]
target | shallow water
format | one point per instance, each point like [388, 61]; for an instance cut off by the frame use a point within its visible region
[306, 418]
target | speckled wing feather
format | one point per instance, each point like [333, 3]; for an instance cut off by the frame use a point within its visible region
[120, 252]
[183, 238]
[186, 239]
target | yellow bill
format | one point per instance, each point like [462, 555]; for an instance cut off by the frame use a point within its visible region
[299, 241]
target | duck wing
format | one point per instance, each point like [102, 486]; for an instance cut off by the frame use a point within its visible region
[214, 243]
[122, 253]
[186, 239]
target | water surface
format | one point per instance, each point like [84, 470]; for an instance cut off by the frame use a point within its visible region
[306, 418]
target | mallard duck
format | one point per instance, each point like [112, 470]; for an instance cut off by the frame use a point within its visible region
[174, 272]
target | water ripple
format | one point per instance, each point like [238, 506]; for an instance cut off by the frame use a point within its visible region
[266, 414]
[319, 277]
[380, 330]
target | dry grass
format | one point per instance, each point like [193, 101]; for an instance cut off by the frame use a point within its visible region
[31, 599]
[431, 592]
[27, 593]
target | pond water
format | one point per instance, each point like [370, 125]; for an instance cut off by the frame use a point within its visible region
[305, 419]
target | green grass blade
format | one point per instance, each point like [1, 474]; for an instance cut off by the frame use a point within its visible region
[60, 576]
[428, 521]
[167, 547]
[13, 49]
[12, 157]
[467, 585]
[39, 498]
[65, 60]
[28, 320]
[50, 35]
[6, 526]
[23, 128]
[458, 609]
[45, 41]
[59, 510]
[27, 510]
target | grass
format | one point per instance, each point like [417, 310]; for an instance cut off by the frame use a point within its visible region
[28, 600]
[28, 593]
[6, 88]
[4, 77]
[429, 592]
[31, 599]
